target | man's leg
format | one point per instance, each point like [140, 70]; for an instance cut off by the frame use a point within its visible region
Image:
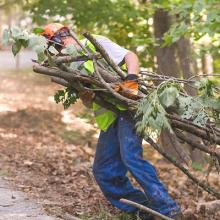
[110, 172]
[143, 171]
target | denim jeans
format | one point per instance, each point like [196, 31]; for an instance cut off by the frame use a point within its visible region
[119, 150]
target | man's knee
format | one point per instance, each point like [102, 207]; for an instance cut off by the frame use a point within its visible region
[128, 161]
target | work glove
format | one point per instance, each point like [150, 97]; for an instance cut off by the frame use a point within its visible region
[87, 97]
[129, 87]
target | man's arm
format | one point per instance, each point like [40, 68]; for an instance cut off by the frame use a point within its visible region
[118, 54]
[132, 63]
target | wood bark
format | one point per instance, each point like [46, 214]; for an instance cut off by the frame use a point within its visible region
[187, 64]
[166, 61]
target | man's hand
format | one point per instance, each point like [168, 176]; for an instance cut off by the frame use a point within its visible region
[87, 97]
[129, 87]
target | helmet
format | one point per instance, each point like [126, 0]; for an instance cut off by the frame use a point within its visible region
[51, 29]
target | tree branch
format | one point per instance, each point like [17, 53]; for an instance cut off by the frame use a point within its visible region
[101, 50]
[204, 186]
[146, 209]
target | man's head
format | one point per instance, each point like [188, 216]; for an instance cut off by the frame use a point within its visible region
[58, 34]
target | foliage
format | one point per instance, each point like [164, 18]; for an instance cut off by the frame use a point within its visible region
[205, 107]
[123, 21]
[22, 39]
[198, 19]
[151, 113]
[129, 22]
[66, 97]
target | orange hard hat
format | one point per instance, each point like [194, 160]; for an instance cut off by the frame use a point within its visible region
[51, 29]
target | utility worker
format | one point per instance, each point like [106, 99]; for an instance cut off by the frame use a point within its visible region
[119, 148]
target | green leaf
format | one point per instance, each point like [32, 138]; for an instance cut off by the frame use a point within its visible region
[39, 49]
[70, 50]
[41, 57]
[168, 96]
[24, 43]
[50, 61]
[66, 97]
[201, 119]
[15, 32]
[16, 47]
[38, 30]
[5, 37]
[53, 50]
[37, 40]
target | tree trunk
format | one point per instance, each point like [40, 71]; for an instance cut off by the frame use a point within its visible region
[186, 62]
[207, 64]
[188, 69]
[175, 60]
[166, 60]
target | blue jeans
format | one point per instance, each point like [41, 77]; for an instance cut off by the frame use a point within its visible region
[119, 150]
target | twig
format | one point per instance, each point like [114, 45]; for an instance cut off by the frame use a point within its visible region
[69, 59]
[197, 76]
[79, 43]
[167, 79]
[146, 209]
[194, 130]
[204, 186]
[196, 144]
[60, 81]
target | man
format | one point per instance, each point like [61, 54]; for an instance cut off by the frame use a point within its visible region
[119, 148]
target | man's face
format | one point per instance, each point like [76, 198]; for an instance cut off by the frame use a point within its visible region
[63, 37]
[68, 40]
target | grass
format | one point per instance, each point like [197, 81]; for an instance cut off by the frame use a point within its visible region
[104, 214]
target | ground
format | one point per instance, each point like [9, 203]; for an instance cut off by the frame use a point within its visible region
[47, 153]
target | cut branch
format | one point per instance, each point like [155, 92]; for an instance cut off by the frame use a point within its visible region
[196, 144]
[196, 131]
[146, 209]
[69, 59]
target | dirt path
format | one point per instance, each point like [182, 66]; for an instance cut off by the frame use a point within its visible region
[15, 205]
[23, 60]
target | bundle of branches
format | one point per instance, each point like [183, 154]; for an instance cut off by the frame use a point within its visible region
[162, 102]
